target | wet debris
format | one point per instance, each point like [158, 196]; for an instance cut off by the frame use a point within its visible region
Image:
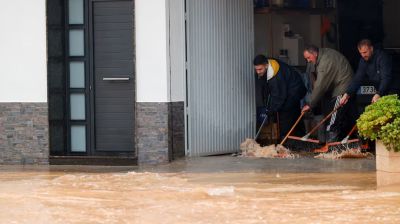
[349, 153]
[250, 148]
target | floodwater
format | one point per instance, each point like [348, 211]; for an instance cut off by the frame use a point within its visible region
[202, 190]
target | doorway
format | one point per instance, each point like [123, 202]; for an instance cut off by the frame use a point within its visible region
[91, 78]
[112, 78]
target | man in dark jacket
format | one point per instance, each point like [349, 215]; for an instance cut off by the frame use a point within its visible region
[375, 66]
[333, 75]
[279, 88]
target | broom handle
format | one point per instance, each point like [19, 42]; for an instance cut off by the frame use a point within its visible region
[265, 119]
[344, 141]
[352, 130]
[262, 124]
[323, 120]
[291, 130]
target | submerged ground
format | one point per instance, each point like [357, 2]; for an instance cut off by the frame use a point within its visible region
[221, 189]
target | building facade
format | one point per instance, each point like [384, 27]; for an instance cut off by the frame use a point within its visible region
[123, 81]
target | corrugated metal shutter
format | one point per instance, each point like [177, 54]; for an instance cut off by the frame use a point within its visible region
[220, 82]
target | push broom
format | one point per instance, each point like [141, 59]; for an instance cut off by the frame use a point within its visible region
[305, 143]
[292, 128]
[343, 145]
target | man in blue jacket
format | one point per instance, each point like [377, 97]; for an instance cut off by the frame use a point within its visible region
[279, 88]
[375, 66]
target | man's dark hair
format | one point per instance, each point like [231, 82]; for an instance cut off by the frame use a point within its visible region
[311, 49]
[364, 42]
[260, 60]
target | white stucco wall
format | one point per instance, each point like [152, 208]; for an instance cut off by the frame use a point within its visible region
[23, 71]
[151, 51]
[177, 50]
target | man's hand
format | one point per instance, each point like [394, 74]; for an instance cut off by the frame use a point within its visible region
[305, 108]
[375, 98]
[345, 98]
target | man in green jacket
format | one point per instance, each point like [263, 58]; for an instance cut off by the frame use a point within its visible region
[333, 75]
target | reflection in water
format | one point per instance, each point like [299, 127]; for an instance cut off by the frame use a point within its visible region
[44, 196]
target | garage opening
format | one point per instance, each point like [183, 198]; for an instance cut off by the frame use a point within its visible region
[223, 37]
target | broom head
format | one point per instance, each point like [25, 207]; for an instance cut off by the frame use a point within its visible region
[302, 144]
[339, 146]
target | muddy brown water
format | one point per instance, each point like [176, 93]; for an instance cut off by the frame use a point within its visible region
[214, 190]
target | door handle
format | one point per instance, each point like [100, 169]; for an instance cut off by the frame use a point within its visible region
[116, 78]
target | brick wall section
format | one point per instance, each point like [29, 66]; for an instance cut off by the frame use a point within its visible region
[159, 132]
[178, 129]
[152, 139]
[24, 133]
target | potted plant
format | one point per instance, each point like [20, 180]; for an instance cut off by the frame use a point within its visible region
[381, 122]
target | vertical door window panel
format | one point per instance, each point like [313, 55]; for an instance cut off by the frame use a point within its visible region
[77, 106]
[77, 74]
[76, 43]
[75, 9]
[78, 138]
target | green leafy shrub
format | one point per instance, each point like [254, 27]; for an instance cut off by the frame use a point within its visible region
[381, 120]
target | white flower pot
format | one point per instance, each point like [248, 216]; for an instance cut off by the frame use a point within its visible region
[387, 166]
